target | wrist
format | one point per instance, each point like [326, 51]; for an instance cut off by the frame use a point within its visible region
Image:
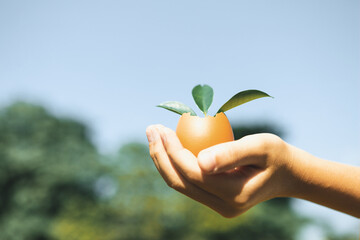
[290, 170]
[309, 174]
[331, 184]
[282, 167]
[298, 163]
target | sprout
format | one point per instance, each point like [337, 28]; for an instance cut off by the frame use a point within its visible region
[203, 97]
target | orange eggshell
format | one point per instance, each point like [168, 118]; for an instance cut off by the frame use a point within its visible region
[196, 133]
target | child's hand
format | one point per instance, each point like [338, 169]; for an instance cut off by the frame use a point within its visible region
[230, 177]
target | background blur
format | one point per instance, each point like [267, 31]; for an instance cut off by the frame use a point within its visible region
[79, 81]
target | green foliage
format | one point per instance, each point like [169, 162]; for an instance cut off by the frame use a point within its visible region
[55, 185]
[45, 162]
[177, 107]
[244, 129]
[241, 98]
[203, 97]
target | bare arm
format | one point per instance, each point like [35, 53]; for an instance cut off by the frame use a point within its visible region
[327, 183]
[232, 177]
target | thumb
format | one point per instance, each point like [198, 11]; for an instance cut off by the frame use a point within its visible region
[227, 156]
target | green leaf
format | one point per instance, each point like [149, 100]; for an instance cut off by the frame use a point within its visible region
[241, 98]
[203, 96]
[177, 107]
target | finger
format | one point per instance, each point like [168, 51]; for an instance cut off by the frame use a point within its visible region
[236, 187]
[259, 188]
[154, 140]
[176, 181]
[225, 186]
[160, 158]
[228, 156]
[183, 160]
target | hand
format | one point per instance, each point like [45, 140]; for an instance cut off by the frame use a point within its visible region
[231, 177]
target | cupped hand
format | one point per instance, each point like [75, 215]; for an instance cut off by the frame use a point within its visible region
[231, 177]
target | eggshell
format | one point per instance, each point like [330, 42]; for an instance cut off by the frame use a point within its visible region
[196, 133]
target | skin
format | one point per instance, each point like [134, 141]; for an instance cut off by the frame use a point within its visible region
[232, 177]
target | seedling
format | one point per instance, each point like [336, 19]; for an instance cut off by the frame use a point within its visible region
[203, 97]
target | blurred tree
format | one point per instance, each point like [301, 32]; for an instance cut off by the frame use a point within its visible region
[45, 162]
[331, 233]
[55, 185]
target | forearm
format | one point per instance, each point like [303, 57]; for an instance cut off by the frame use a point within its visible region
[330, 184]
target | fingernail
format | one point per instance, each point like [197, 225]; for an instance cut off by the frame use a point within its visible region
[207, 162]
[150, 134]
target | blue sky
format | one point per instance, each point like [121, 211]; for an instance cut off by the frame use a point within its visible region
[108, 63]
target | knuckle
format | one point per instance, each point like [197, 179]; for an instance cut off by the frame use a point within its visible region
[193, 177]
[151, 149]
[229, 212]
[155, 151]
[171, 153]
[174, 185]
[174, 154]
[242, 202]
[154, 155]
[270, 140]
[266, 143]
[272, 145]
